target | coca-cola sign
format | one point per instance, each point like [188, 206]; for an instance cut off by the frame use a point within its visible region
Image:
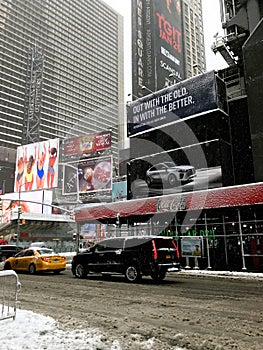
[87, 144]
[171, 204]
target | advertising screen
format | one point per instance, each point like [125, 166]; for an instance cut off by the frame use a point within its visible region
[192, 247]
[183, 100]
[177, 171]
[31, 202]
[77, 147]
[119, 191]
[90, 175]
[168, 43]
[37, 166]
[157, 49]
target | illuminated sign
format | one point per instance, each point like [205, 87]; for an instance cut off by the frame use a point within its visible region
[87, 144]
[30, 202]
[191, 247]
[90, 175]
[37, 166]
[188, 98]
[157, 44]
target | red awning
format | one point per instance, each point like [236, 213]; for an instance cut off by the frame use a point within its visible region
[213, 198]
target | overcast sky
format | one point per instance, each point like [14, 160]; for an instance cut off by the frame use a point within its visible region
[212, 25]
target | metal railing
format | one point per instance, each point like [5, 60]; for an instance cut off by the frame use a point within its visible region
[9, 289]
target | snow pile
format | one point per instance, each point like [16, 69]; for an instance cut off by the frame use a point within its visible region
[31, 331]
[232, 274]
[34, 331]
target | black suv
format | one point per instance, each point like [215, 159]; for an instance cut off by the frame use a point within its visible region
[8, 250]
[131, 256]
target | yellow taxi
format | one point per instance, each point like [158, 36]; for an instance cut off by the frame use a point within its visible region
[35, 260]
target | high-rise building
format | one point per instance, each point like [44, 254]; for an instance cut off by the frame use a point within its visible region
[168, 43]
[61, 69]
[193, 33]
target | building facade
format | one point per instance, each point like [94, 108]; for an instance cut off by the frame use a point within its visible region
[193, 33]
[61, 70]
[183, 128]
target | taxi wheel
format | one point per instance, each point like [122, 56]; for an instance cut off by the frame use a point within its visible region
[7, 266]
[32, 269]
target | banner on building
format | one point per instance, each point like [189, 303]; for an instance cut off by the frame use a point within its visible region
[119, 191]
[37, 166]
[86, 145]
[91, 175]
[189, 98]
[157, 49]
[38, 202]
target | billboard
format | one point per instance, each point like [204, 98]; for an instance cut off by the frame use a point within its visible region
[178, 171]
[192, 247]
[91, 175]
[37, 166]
[30, 202]
[191, 97]
[157, 49]
[119, 191]
[77, 147]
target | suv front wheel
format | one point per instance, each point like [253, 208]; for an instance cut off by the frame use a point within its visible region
[132, 274]
[81, 271]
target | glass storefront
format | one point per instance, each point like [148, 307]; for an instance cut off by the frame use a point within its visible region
[230, 238]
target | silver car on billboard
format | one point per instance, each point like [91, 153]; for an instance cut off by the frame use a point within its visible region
[169, 173]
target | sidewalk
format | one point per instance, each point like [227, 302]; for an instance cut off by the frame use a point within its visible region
[232, 274]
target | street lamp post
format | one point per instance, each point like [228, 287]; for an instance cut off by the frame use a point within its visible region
[18, 215]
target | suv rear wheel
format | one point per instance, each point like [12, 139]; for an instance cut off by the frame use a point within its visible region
[81, 271]
[132, 274]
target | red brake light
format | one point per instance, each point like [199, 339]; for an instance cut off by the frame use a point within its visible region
[176, 248]
[155, 255]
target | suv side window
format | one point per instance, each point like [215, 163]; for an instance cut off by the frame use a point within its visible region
[110, 244]
[136, 243]
[100, 247]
